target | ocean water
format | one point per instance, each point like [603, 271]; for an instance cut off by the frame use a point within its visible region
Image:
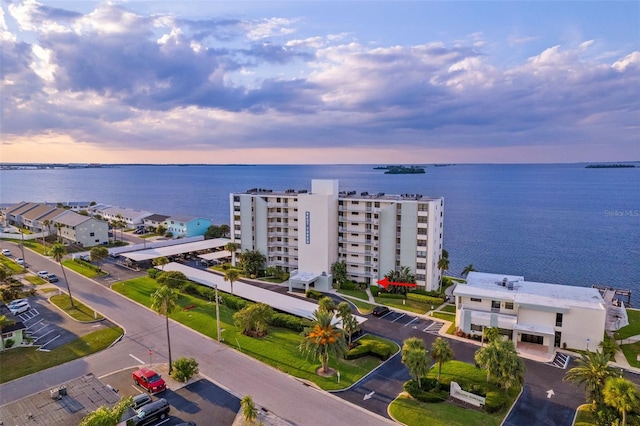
[556, 223]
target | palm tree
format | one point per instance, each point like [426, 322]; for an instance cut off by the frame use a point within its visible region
[4, 322]
[592, 371]
[58, 252]
[231, 275]
[164, 301]
[490, 334]
[488, 358]
[249, 410]
[160, 261]
[232, 247]
[467, 269]
[322, 339]
[621, 394]
[511, 371]
[414, 357]
[443, 265]
[326, 304]
[349, 322]
[58, 226]
[105, 416]
[441, 352]
[98, 254]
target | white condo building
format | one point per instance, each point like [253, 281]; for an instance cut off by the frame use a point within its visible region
[305, 232]
[534, 315]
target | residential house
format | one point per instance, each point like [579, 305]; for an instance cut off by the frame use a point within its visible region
[14, 331]
[186, 226]
[83, 230]
[152, 222]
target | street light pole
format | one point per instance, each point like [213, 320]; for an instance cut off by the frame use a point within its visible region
[22, 245]
[217, 314]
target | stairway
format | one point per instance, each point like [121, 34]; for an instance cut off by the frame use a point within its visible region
[560, 360]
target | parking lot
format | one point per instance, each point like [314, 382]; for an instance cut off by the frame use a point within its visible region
[50, 328]
[201, 402]
[413, 321]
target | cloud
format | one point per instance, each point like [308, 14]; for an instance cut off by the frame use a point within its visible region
[115, 78]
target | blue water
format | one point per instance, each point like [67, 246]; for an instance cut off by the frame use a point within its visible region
[557, 223]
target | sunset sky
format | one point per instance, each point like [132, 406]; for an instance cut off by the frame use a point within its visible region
[320, 82]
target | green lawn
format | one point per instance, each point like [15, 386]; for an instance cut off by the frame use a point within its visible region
[633, 329]
[11, 265]
[359, 294]
[412, 412]
[631, 352]
[20, 362]
[79, 312]
[444, 316]
[83, 268]
[449, 308]
[585, 416]
[278, 349]
[364, 308]
[407, 305]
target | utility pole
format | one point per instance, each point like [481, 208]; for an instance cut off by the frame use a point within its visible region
[217, 313]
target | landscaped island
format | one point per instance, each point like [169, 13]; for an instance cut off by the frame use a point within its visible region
[400, 170]
[610, 166]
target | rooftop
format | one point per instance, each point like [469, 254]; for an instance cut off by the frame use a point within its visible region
[84, 395]
[516, 289]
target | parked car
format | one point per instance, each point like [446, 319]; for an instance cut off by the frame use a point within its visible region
[43, 274]
[16, 302]
[20, 308]
[151, 413]
[19, 261]
[379, 311]
[6, 252]
[149, 380]
[52, 278]
[140, 400]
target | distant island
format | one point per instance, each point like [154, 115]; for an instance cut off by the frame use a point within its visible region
[400, 170]
[609, 166]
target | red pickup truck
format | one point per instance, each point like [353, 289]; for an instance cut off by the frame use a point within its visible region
[150, 380]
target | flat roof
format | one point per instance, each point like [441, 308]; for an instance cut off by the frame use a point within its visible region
[215, 255]
[152, 253]
[282, 302]
[486, 285]
[84, 395]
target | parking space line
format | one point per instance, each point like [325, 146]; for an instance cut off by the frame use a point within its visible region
[40, 337]
[415, 319]
[48, 342]
[35, 323]
[41, 328]
[401, 315]
[388, 313]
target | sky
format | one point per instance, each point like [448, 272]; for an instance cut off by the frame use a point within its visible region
[313, 82]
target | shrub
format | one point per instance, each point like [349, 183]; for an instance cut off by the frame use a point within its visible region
[366, 347]
[153, 272]
[9, 343]
[314, 294]
[206, 292]
[349, 285]
[429, 392]
[425, 299]
[495, 401]
[190, 288]
[233, 302]
[425, 293]
[184, 369]
[172, 279]
[375, 290]
[290, 322]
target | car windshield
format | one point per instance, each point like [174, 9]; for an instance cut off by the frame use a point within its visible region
[154, 378]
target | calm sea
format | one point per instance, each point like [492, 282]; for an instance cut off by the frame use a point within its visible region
[556, 223]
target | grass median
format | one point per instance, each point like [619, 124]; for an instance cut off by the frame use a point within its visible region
[19, 362]
[79, 311]
[278, 349]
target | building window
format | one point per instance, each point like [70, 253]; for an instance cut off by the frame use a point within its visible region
[475, 299]
[558, 320]
[92, 234]
[476, 327]
[508, 305]
[495, 304]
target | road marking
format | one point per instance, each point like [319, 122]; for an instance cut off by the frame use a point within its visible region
[35, 323]
[415, 319]
[49, 342]
[40, 337]
[368, 395]
[136, 358]
[398, 318]
[550, 393]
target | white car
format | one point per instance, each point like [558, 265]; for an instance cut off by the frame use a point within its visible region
[20, 308]
[19, 261]
[6, 252]
[15, 303]
[43, 274]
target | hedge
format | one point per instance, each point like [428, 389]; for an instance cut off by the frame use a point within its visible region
[291, 322]
[370, 347]
[426, 293]
[190, 288]
[431, 391]
[314, 294]
[425, 299]
[233, 302]
[375, 290]
[495, 400]
[391, 295]
[153, 272]
[350, 285]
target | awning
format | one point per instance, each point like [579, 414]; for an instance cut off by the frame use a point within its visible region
[386, 283]
[215, 255]
[535, 329]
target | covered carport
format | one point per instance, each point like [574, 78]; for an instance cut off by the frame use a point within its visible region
[144, 257]
[215, 256]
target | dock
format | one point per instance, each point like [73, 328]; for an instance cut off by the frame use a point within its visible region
[612, 294]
